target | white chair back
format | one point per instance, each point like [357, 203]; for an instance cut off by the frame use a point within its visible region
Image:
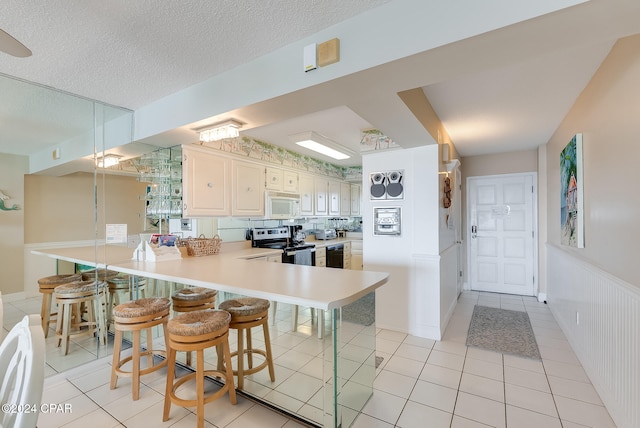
[22, 373]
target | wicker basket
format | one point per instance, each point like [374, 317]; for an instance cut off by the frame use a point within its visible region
[202, 246]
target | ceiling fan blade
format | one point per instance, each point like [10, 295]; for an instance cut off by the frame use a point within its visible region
[11, 46]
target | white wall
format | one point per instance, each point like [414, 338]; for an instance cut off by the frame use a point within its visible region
[410, 301]
[602, 282]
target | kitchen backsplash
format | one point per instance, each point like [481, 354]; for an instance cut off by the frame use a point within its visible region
[234, 229]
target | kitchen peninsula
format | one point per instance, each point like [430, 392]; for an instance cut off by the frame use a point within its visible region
[348, 357]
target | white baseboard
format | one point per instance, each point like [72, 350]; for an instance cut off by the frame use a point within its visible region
[13, 297]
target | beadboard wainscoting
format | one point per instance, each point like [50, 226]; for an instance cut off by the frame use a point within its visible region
[600, 316]
[448, 284]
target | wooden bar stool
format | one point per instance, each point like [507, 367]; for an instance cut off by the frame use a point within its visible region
[122, 284]
[47, 286]
[99, 274]
[193, 299]
[197, 331]
[136, 316]
[86, 296]
[246, 313]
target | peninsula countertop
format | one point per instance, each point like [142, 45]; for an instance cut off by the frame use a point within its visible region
[235, 272]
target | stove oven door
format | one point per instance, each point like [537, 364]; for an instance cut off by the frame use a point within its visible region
[306, 256]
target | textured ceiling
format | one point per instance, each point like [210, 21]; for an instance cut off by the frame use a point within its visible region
[92, 47]
[495, 90]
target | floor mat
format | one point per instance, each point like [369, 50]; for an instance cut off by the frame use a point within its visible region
[504, 331]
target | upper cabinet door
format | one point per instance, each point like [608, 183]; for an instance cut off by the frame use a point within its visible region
[345, 199]
[356, 195]
[206, 182]
[248, 189]
[334, 197]
[273, 179]
[307, 192]
[290, 183]
[321, 189]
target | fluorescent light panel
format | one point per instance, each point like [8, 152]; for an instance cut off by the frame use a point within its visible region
[319, 144]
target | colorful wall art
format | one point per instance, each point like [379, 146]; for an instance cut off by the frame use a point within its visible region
[571, 194]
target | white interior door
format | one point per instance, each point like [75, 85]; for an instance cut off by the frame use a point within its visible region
[502, 252]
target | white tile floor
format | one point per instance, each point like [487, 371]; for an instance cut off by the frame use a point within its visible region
[420, 383]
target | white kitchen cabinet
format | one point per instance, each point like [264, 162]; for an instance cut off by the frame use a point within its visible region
[307, 192]
[356, 255]
[321, 257]
[216, 184]
[206, 180]
[274, 179]
[346, 257]
[290, 183]
[321, 199]
[345, 199]
[356, 195]
[356, 262]
[334, 197]
[281, 180]
[248, 189]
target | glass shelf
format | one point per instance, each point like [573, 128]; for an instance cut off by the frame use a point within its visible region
[162, 169]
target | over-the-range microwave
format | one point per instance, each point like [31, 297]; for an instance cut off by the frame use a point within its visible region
[282, 206]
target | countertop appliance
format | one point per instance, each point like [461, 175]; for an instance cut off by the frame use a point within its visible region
[297, 234]
[326, 234]
[294, 249]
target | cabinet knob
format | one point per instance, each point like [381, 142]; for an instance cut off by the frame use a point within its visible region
[209, 185]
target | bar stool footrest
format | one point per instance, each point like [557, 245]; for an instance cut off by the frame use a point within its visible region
[251, 370]
[208, 398]
[153, 368]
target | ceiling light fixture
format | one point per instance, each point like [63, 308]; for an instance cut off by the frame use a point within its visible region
[108, 160]
[220, 131]
[322, 145]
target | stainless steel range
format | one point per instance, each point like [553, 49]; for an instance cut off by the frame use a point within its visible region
[289, 239]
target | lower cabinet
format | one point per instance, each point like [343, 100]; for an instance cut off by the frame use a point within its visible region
[321, 257]
[346, 248]
[356, 255]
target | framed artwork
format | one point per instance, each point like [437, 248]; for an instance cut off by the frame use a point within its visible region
[571, 194]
